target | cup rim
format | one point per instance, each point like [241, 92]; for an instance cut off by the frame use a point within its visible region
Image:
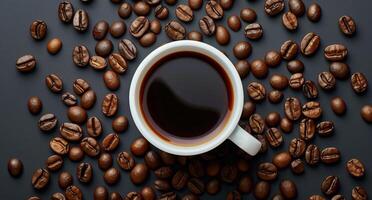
[143, 68]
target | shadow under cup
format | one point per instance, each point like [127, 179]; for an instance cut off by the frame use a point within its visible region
[186, 98]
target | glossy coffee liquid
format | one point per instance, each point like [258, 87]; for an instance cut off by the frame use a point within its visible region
[186, 97]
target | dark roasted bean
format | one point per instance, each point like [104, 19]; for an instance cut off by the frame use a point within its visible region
[310, 44]
[347, 25]
[26, 63]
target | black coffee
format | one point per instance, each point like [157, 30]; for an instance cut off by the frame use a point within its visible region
[185, 97]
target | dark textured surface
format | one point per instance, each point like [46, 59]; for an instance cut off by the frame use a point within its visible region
[21, 138]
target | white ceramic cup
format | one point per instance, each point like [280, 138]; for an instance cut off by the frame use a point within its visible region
[230, 130]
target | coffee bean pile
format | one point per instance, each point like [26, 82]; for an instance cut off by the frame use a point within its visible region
[227, 164]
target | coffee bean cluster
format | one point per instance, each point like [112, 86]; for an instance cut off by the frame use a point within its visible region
[81, 135]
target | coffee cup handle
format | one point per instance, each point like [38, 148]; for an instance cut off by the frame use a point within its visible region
[245, 141]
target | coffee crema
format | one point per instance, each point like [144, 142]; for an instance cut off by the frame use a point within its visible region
[186, 98]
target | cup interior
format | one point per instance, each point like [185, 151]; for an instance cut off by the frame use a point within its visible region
[229, 123]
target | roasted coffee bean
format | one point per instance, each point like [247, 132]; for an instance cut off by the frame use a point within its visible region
[111, 176]
[196, 186]
[307, 129]
[282, 160]
[127, 49]
[81, 20]
[152, 160]
[335, 52]
[366, 113]
[312, 155]
[274, 137]
[47, 122]
[118, 63]
[111, 80]
[194, 35]
[226, 4]
[125, 10]
[117, 29]
[167, 158]
[73, 193]
[286, 125]
[80, 86]
[77, 114]
[125, 160]
[292, 108]
[148, 193]
[248, 15]
[297, 166]
[330, 155]
[256, 123]
[273, 7]
[100, 30]
[90, 146]
[15, 167]
[259, 68]
[64, 180]
[34, 105]
[222, 35]
[120, 124]
[273, 58]
[213, 186]
[98, 62]
[275, 96]
[80, 56]
[65, 11]
[297, 7]
[338, 105]
[207, 25]
[84, 172]
[195, 4]
[309, 90]
[289, 21]
[278, 81]
[139, 147]
[103, 48]
[40, 178]
[105, 161]
[94, 127]
[175, 30]
[339, 70]
[54, 45]
[54, 83]
[242, 50]
[272, 119]
[168, 195]
[59, 146]
[245, 184]
[141, 8]
[69, 99]
[110, 142]
[179, 179]
[161, 12]
[148, 39]
[355, 168]
[253, 31]
[100, 193]
[75, 154]
[312, 110]
[88, 99]
[359, 193]
[262, 190]
[139, 26]
[58, 196]
[310, 44]
[297, 147]
[347, 25]
[196, 168]
[162, 185]
[110, 105]
[26, 63]
[330, 185]
[214, 10]
[229, 173]
[184, 13]
[359, 82]
[71, 131]
[295, 66]
[325, 128]
[289, 50]
[256, 91]
[314, 12]
[288, 189]
[38, 29]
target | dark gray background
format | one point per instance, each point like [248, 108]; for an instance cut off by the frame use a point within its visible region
[21, 138]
